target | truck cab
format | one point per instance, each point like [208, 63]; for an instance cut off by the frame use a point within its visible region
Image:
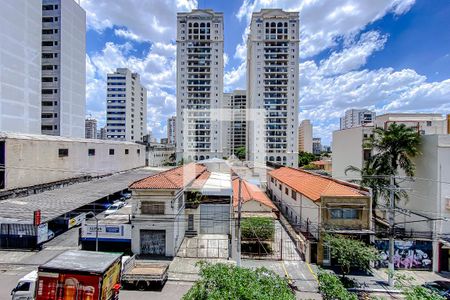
[26, 287]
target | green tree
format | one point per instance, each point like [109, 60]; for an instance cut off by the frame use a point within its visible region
[331, 287]
[240, 153]
[393, 149]
[350, 253]
[223, 281]
[305, 158]
[262, 228]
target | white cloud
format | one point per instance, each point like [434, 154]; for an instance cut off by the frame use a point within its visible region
[127, 34]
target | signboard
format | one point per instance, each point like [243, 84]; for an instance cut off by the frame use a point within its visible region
[42, 233]
[53, 286]
[409, 254]
[77, 220]
[117, 231]
[37, 217]
[111, 278]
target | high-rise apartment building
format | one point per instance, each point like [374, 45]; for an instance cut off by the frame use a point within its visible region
[305, 136]
[199, 85]
[101, 134]
[171, 130]
[236, 102]
[357, 117]
[272, 87]
[63, 68]
[317, 145]
[20, 61]
[126, 111]
[90, 128]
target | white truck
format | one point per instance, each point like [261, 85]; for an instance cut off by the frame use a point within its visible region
[140, 274]
[26, 287]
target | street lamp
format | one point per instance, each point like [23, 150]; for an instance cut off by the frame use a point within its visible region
[96, 229]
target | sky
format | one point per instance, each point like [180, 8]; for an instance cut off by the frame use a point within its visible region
[383, 55]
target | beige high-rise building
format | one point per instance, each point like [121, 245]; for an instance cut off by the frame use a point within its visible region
[272, 87]
[90, 128]
[171, 130]
[305, 137]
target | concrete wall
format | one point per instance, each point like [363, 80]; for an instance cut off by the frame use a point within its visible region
[34, 160]
[20, 61]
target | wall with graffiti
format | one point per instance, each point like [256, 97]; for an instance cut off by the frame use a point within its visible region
[407, 254]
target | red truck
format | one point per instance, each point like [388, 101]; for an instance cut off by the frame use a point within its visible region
[80, 275]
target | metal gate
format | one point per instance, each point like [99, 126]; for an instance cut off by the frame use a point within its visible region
[215, 218]
[153, 242]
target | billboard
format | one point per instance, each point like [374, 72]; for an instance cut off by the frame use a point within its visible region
[409, 254]
[111, 277]
[55, 286]
[114, 232]
[77, 220]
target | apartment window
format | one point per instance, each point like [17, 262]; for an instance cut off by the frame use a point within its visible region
[111, 151]
[126, 151]
[344, 213]
[271, 179]
[286, 190]
[367, 154]
[63, 152]
[91, 152]
[152, 208]
[47, 43]
[280, 186]
[294, 195]
[138, 151]
[428, 123]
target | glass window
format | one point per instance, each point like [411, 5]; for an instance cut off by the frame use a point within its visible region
[152, 208]
[344, 213]
[91, 152]
[23, 286]
[63, 152]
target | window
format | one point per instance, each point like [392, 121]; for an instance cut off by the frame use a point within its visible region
[294, 195]
[152, 208]
[429, 123]
[138, 151]
[344, 213]
[126, 151]
[63, 152]
[23, 286]
[91, 152]
[271, 179]
[286, 190]
[111, 151]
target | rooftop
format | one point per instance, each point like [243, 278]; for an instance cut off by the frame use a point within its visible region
[250, 192]
[315, 186]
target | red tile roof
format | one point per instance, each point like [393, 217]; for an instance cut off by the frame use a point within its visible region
[250, 192]
[314, 186]
[200, 181]
[176, 178]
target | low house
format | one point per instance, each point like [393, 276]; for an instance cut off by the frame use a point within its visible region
[254, 200]
[189, 199]
[325, 165]
[315, 204]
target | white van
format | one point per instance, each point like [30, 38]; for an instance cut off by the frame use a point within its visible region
[26, 287]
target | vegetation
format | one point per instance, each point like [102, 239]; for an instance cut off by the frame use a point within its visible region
[240, 153]
[305, 158]
[350, 253]
[393, 147]
[194, 199]
[415, 292]
[331, 287]
[258, 228]
[222, 281]
[310, 166]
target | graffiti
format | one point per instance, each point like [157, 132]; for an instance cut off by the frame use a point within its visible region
[407, 254]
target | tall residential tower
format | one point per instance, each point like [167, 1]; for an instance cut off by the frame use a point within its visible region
[272, 87]
[171, 130]
[305, 136]
[199, 85]
[126, 111]
[236, 101]
[63, 68]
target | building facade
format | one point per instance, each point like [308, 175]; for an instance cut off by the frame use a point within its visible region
[272, 87]
[160, 154]
[126, 110]
[199, 133]
[236, 102]
[316, 146]
[171, 130]
[20, 61]
[101, 133]
[90, 128]
[305, 137]
[357, 117]
[63, 68]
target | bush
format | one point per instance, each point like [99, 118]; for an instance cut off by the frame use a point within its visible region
[332, 288]
[223, 281]
[255, 228]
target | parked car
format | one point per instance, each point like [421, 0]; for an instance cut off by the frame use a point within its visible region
[127, 195]
[114, 207]
[50, 234]
[440, 287]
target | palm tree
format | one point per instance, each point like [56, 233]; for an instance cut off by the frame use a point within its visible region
[394, 147]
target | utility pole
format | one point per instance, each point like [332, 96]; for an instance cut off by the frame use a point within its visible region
[239, 223]
[391, 231]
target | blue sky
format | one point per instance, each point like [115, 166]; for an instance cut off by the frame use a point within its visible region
[386, 55]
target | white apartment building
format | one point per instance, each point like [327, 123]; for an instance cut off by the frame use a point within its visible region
[272, 87]
[126, 110]
[236, 101]
[90, 128]
[356, 117]
[317, 145]
[171, 130]
[199, 133]
[305, 136]
[348, 143]
[63, 68]
[20, 61]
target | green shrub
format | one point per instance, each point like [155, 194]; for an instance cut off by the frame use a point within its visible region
[332, 288]
[255, 228]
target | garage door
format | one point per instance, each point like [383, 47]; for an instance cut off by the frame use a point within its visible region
[153, 242]
[215, 218]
